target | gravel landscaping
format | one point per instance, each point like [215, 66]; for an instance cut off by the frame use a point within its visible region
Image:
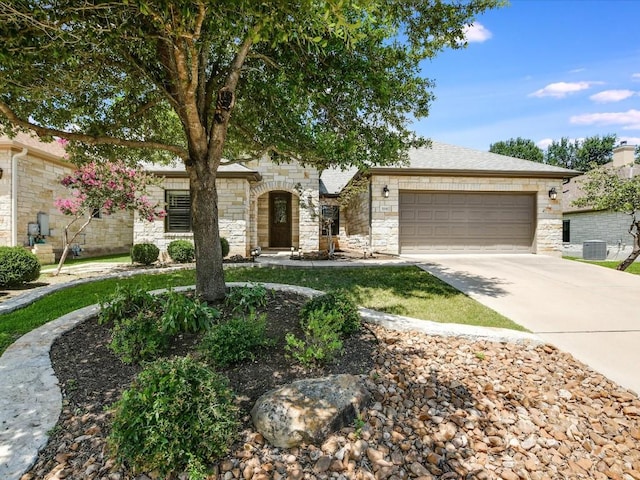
[443, 408]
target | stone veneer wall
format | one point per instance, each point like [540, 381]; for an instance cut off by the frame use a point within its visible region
[355, 227]
[244, 209]
[385, 214]
[38, 187]
[232, 208]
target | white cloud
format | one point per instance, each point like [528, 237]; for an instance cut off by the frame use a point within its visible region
[562, 89]
[544, 143]
[477, 33]
[636, 76]
[630, 140]
[629, 120]
[609, 96]
[577, 70]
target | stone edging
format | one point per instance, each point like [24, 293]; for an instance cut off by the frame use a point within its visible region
[31, 400]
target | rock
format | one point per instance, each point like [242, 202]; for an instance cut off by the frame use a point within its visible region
[306, 411]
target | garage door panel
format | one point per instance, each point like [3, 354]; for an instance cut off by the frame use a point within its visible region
[466, 222]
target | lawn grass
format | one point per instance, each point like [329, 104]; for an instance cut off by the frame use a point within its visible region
[634, 268]
[399, 290]
[114, 258]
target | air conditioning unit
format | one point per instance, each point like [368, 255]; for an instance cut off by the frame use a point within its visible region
[594, 250]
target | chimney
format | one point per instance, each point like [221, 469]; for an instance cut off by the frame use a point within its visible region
[624, 155]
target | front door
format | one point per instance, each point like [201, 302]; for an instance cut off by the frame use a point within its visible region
[280, 219]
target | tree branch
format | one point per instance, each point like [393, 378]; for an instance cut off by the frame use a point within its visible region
[89, 139]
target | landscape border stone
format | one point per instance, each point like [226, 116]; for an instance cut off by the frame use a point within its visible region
[31, 400]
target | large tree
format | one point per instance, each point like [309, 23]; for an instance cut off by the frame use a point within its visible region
[519, 148]
[614, 190]
[582, 154]
[323, 82]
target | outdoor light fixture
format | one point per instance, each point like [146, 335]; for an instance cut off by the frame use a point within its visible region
[553, 194]
[385, 191]
[1, 172]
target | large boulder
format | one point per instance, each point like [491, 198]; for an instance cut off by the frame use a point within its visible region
[306, 411]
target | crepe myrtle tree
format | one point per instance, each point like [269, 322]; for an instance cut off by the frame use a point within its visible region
[334, 82]
[105, 188]
[610, 189]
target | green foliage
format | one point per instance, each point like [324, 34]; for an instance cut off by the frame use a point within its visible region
[235, 340]
[178, 415]
[138, 338]
[339, 303]
[321, 341]
[17, 266]
[518, 148]
[224, 245]
[125, 301]
[145, 253]
[183, 313]
[247, 298]
[181, 251]
[583, 154]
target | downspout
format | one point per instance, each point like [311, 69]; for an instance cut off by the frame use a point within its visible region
[14, 195]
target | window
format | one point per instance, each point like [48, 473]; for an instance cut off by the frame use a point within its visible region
[330, 219]
[178, 217]
[96, 213]
[566, 231]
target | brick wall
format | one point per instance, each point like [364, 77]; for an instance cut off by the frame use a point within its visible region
[610, 227]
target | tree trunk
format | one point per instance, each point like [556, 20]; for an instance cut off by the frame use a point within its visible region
[635, 252]
[210, 285]
[67, 242]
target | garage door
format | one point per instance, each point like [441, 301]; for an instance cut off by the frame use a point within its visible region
[466, 222]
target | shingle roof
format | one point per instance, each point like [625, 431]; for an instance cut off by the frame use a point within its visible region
[442, 156]
[32, 142]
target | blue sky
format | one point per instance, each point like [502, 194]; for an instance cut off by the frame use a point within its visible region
[542, 70]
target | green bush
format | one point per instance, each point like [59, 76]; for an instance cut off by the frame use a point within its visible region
[234, 340]
[177, 415]
[339, 302]
[247, 298]
[181, 251]
[224, 244]
[144, 253]
[125, 302]
[134, 339]
[17, 266]
[321, 341]
[182, 313]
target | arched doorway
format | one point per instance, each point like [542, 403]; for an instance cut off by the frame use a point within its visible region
[280, 219]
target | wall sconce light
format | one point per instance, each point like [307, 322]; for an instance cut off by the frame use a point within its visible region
[385, 191]
[1, 172]
[553, 194]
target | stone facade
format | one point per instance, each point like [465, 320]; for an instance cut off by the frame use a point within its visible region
[243, 205]
[38, 186]
[385, 211]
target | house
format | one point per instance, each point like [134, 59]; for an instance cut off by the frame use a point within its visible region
[30, 174]
[446, 199]
[585, 224]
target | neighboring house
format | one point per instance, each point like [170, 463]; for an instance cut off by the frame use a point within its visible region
[447, 199]
[30, 174]
[584, 224]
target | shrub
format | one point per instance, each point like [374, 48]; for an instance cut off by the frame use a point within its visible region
[224, 244]
[125, 302]
[182, 313]
[138, 338]
[321, 341]
[177, 414]
[181, 251]
[339, 302]
[247, 298]
[145, 253]
[17, 266]
[235, 340]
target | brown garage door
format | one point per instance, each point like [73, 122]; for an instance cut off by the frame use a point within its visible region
[454, 222]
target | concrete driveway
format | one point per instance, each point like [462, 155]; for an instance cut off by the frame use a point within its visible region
[589, 311]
